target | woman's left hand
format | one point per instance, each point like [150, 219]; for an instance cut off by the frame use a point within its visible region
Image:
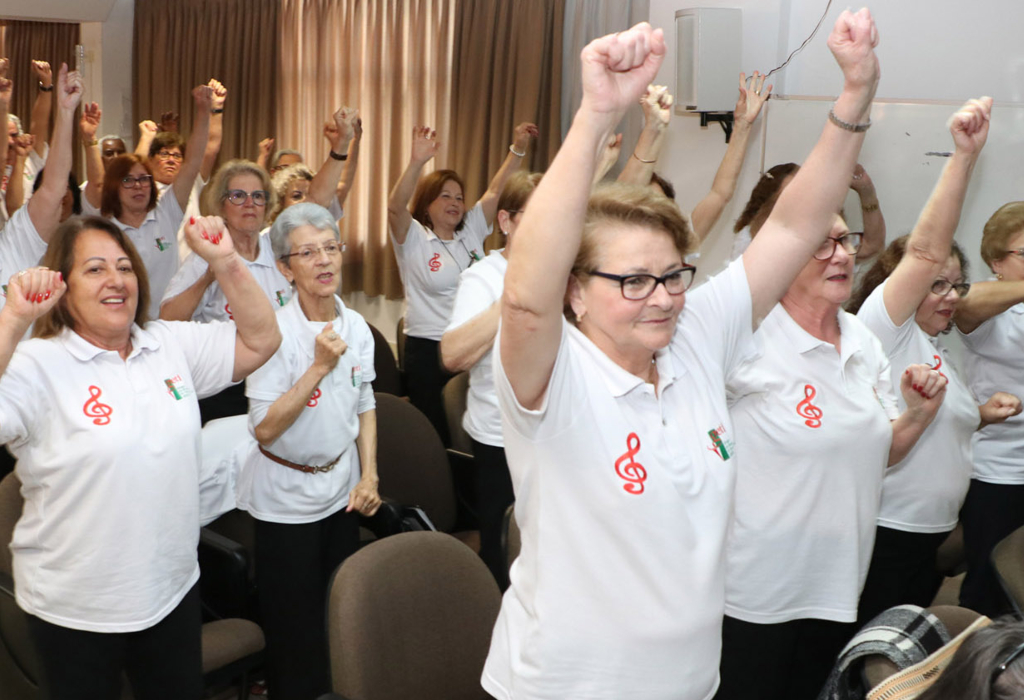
[999, 407]
[209, 238]
[753, 95]
[523, 133]
[364, 498]
[923, 389]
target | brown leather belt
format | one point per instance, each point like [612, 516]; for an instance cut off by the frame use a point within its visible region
[298, 467]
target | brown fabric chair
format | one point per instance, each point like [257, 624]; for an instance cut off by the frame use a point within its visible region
[1008, 561]
[455, 392]
[411, 616]
[414, 466]
[231, 648]
[389, 378]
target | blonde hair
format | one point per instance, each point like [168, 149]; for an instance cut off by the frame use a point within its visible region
[1007, 222]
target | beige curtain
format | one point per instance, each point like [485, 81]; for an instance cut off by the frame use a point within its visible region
[24, 42]
[184, 43]
[508, 69]
[391, 59]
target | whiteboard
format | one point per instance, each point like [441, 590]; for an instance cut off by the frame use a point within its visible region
[895, 155]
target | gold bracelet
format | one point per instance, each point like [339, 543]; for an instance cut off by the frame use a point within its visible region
[869, 207]
[642, 160]
[94, 142]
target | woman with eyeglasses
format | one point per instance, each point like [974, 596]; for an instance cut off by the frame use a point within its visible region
[990, 322]
[613, 401]
[130, 199]
[908, 299]
[240, 194]
[435, 241]
[313, 470]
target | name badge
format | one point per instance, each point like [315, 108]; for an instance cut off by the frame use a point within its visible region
[357, 375]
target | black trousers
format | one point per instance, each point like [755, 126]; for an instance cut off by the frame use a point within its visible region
[784, 661]
[230, 402]
[990, 513]
[294, 565]
[163, 662]
[494, 496]
[902, 571]
[425, 379]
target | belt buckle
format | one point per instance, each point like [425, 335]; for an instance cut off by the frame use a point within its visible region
[329, 467]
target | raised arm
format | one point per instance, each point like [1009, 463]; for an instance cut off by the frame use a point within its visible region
[16, 183]
[43, 105]
[265, 148]
[520, 142]
[985, 300]
[6, 90]
[257, 336]
[216, 135]
[806, 209]
[45, 206]
[30, 294]
[424, 147]
[871, 212]
[338, 132]
[348, 177]
[181, 307]
[147, 132]
[462, 347]
[657, 106]
[94, 170]
[929, 245]
[616, 70]
[195, 153]
[609, 156]
[748, 106]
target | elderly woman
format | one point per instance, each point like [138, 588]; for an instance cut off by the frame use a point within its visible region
[240, 193]
[466, 345]
[434, 243]
[296, 183]
[100, 408]
[991, 322]
[907, 299]
[988, 665]
[615, 421]
[314, 469]
[128, 196]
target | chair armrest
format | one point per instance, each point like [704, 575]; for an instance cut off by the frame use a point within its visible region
[464, 477]
[224, 584]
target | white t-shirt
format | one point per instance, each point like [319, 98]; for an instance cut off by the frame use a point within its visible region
[479, 287]
[191, 209]
[326, 428]
[155, 243]
[108, 458]
[813, 433]
[430, 270]
[623, 499]
[924, 492]
[214, 305]
[994, 361]
[20, 248]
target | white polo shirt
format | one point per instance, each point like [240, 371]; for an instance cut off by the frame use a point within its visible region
[20, 248]
[993, 362]
[924, 492]
[108, 456]
[191, 209]
[327, 427]
[155, 241]
[430, 269]
[623, 499]
[214, 306]
[813, 433]
[479, 287]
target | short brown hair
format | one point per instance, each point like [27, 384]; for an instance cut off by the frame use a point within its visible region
[60, 256]
[117, 170]
[763, 197]
[167, 139]
[215, 192]
[428, 189]
[1007, 222]
[518, 189]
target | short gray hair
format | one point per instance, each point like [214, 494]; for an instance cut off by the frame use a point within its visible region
[114, 137]
[302, 214]
[13, 118]
[276, 158]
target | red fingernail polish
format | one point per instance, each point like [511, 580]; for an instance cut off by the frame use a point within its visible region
[192, 220]
[47, 295]
[205, 236]
[60, 276]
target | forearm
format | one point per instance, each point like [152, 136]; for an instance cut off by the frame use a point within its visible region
[723, 187]
[366, 445]
[40, 122]
[12, 330]
[286, 409]
[195, 152]
[95, 172]
[349, 175]
[45, 205]
[462, 347]
[639, 166]
[263, 160]
[325, 182]
[16, 186]
[145, 141]
[213, 144]
[906, 430]
[184, 305]
[874, 225]
[489, 202]
[252, 311]
[985, 300]
[932, 236]
[3, 141]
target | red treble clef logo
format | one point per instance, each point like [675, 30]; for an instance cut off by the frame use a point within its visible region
[938, 365]
[313, 399]
[808, 410]
[435, 263]
[632, 472]
[99, 412]
[227, 310]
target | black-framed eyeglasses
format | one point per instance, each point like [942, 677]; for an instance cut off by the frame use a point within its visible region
[639, 287]
[1006, 664]
[131, 182]
[310, 254]
[239, 197]
[170, 155]
[941, 287]
[850, 242]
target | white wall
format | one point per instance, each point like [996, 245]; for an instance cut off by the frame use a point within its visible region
[56, 10]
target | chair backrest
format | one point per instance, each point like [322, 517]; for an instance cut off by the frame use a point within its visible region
[400, 342]
[412, 462]
[410, 616]
[455, 392]
[389, 380]
[511, 541]
[10, 510]
[1008, 561]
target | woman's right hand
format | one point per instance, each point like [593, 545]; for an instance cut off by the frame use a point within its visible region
[33, 292]
[424, 144]
[852, 42]
[969, 126]
[618, 68]
[329, 347]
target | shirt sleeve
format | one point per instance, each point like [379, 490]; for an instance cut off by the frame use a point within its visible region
[883, 384]
[875, 316]
[475, 224]
[209, 349]
[20, 245]
[719, 317]
[472, 299]
[18, 416]
[272, 380]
